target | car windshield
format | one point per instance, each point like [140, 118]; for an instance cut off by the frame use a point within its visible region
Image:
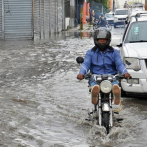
[121, 12]
[109, 16]
[137, 32]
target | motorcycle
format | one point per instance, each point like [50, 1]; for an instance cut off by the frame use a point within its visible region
[96, 26]
[103, 111]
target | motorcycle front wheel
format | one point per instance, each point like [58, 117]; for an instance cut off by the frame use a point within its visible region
[106, 121]
[95, 27]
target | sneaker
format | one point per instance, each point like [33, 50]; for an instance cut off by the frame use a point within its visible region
[94, 94]
[116, 94]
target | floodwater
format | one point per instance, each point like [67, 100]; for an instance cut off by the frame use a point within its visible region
[42, 104]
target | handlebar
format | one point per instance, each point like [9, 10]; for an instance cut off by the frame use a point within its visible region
[117, 76]
[122, 76]
[87, 76]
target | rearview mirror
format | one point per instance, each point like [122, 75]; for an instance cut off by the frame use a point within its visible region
[120, 45]
[136, 69]
[80, 60]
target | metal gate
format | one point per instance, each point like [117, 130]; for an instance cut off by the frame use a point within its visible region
[60, 15]
[17, 21]
[0, 20]
[48, 17]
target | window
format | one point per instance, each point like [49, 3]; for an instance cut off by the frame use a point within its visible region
[121, 12]
[109, 15]
[137, 32]
[125, 31]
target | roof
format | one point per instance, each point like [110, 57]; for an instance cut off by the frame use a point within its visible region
[110, 12]
[141, 18]
[141, 12]
[122, 9]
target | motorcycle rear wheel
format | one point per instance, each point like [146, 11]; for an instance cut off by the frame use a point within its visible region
[106, 121]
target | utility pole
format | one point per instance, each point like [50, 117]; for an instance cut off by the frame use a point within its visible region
[81, 17]
[146, 5]
[113, 5]
[91, 7]
[101, 1]
[102, 8]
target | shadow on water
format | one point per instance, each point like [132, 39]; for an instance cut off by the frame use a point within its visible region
[137, 100]
[137, 95]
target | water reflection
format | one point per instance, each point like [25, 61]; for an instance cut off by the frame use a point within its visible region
[67, 34]
[42, 101]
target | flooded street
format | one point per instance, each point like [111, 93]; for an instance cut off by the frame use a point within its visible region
[44, 105]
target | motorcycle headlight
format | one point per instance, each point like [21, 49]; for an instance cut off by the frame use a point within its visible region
[132, 63]
[106, 86]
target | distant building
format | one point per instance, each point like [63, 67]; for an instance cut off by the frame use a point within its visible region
[122, 2]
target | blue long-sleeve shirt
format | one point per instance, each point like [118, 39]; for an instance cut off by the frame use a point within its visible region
[100, 63]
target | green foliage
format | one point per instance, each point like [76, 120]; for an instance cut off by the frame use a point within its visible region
[97, 6]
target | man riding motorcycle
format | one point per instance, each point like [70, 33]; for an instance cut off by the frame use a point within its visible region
[102, 21]
[103, 59]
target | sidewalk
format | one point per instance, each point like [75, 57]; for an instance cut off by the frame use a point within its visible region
[86, 26]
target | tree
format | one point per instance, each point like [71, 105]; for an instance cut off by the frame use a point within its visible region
[100, 5]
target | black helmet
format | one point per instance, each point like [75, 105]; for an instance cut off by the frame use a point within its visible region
[102, 33]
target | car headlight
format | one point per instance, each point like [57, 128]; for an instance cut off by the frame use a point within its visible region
[133, 81]
[106, 86]
[132, 63]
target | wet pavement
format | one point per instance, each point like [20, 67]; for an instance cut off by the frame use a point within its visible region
[44, 105]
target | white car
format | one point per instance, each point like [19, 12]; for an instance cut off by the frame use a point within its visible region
[137, 7]
[120, 16]
[133, 14]
[133, 50]
[110, 18]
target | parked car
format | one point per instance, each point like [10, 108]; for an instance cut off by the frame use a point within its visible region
[133, 50]
[110, 18]
[134, 14]
[120, 16]
[137, 7]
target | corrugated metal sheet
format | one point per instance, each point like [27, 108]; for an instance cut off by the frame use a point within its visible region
[53, 18]
[0, 19]
[37, 16]
[60, 15]
[48, 17]
[18, 18]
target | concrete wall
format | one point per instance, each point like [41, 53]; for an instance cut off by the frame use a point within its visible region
[121, 2]
[67, 20]
[72, 13]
